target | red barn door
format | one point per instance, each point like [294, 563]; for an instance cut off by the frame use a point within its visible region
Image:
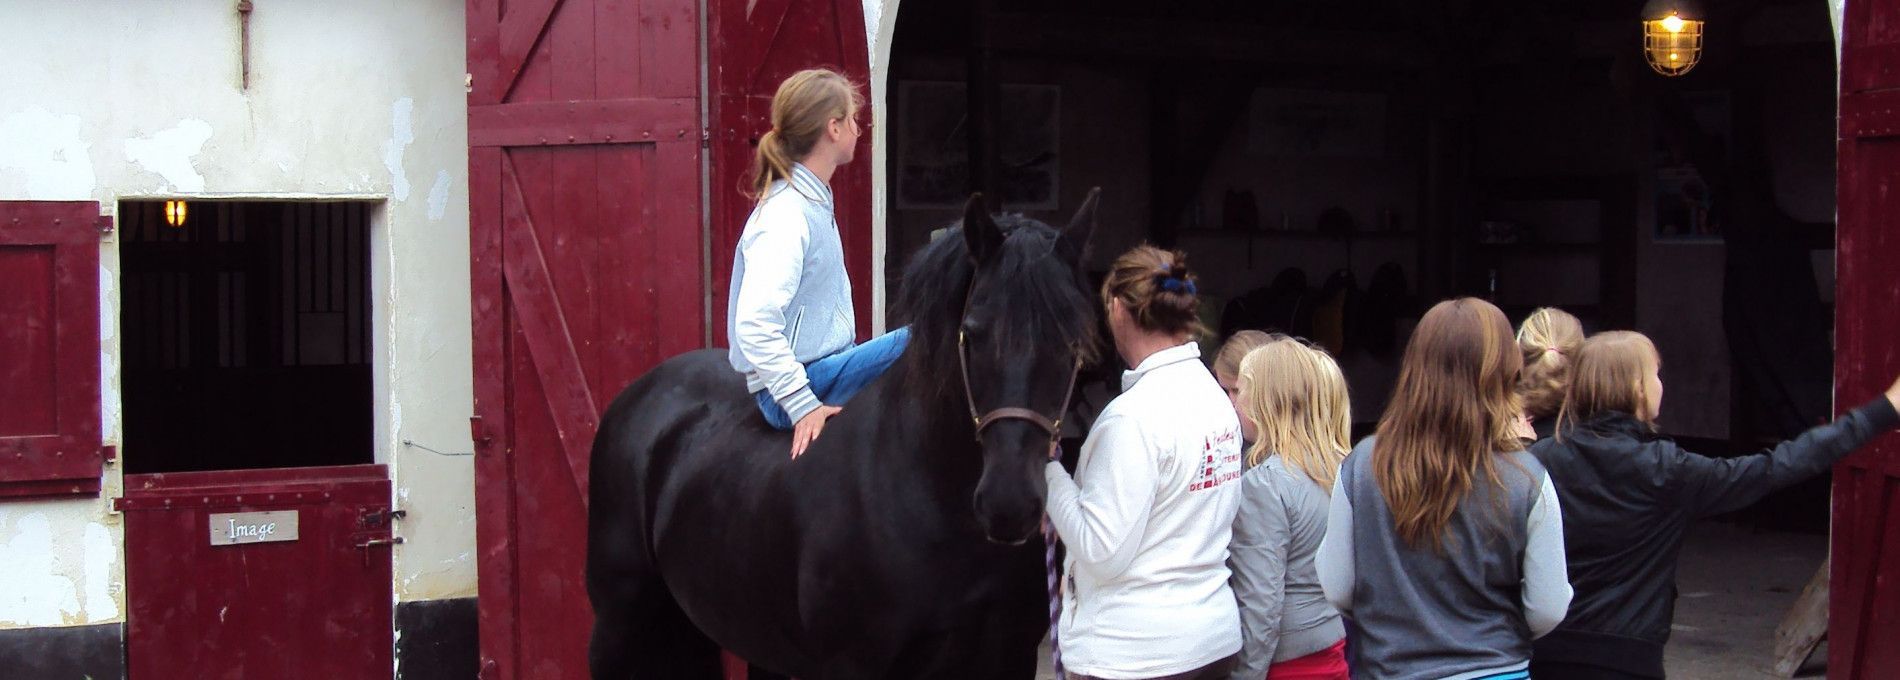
[585, 238]
[754, 44]
[1864, 612]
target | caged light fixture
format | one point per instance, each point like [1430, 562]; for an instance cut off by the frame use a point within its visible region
[1672, 36]
[175, 213]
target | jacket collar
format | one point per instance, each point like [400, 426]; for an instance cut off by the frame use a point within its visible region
[807, 184]
[1616, 423]
[1189, 351]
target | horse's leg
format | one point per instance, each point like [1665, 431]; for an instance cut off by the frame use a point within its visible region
[639, 630]
[998, 651]
[640, 634]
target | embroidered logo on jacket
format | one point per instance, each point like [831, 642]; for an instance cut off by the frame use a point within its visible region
[1220, 461]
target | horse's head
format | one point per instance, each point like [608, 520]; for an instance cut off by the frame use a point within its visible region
[1013, 333]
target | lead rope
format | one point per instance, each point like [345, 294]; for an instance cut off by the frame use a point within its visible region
[1054, 572]
[1055, 596]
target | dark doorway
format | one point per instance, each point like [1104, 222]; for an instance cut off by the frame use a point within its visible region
[246, 335]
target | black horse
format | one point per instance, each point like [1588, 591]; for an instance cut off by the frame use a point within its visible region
[903, 543]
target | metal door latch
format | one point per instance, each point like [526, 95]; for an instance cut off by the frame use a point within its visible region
[376, 543]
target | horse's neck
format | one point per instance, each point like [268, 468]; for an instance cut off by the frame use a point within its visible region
[931, 435]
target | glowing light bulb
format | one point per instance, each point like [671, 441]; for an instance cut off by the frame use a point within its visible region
[1672, 23]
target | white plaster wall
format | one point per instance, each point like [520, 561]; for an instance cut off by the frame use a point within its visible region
[354, 99]
[880, 23]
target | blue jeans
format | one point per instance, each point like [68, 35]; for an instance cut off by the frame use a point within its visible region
[835, 378]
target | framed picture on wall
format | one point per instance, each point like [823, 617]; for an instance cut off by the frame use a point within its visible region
[1316, 123]
[933, 154]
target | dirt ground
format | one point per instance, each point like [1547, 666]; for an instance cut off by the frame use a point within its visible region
[1735, 585]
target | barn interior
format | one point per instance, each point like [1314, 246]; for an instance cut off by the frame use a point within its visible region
[247, 334]
[1331, 169]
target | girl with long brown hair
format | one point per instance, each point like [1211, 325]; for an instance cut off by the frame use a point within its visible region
[1295, 409]
[1629, 495]
[1444, 541]
[789, 313]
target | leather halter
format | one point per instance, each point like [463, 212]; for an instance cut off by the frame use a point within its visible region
[1052, 426]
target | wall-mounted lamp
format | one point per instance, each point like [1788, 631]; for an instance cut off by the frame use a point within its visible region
[175, 213]
[1672, 36]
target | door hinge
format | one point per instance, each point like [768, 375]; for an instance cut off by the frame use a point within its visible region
[490, 670]
[104, 224]
[478, 431]
[380, 517]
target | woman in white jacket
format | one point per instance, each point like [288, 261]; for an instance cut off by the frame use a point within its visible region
[789, 313]
[1148, 515]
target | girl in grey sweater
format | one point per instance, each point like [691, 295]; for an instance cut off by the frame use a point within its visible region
[1293, 405]
[1444, 539]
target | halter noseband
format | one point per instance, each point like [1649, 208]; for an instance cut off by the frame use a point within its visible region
[1053, 427]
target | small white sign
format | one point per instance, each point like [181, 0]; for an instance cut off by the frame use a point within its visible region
[234, 528]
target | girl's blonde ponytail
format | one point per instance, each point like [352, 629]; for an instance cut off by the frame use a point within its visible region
[805, 104]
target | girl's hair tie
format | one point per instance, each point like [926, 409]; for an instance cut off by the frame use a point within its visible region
[1174, 285]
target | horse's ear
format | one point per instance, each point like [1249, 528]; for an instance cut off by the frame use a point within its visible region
[980, 232]
[1074, 242]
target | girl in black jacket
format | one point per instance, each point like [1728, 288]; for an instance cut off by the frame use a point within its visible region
[1628, 495]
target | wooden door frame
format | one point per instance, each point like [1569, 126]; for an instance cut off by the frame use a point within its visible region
[1866, 503]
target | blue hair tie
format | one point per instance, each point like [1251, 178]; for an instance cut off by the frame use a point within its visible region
[1174, 285]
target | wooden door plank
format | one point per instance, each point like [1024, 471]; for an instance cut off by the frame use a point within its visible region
[544, 325]
[521, 32]
[486, 83]
[494, 482]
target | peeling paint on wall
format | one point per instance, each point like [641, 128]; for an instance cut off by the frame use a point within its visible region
[170, 154]
[108, 361]
[48, 155]
[402, 135]
[439, 196]
[101, 553]
[33, 593]
[873, 20]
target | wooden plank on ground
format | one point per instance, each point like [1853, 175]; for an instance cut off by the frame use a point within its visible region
[1804, 627]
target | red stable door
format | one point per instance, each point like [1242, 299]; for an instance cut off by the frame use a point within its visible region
[588, 249]
[1864, 598]
[281, 574]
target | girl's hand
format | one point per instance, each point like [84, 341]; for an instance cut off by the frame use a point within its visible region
[1893, 394]
[808, 427]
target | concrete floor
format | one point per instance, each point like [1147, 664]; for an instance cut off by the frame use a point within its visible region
[1735, 584]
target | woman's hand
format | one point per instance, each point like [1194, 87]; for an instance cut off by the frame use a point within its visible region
[808, 427]
[1893, 394]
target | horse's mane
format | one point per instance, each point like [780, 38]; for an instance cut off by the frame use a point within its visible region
[1039, 312]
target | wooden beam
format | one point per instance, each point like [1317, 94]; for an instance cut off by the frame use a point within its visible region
[1804, 627]
[984, 91]
[1180, 41]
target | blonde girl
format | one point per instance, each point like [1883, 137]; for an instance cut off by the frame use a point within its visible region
[1444, 541]
[1629, 495]
[1294, 407]
[1549, 339]
[1227, 364]
[789, 312]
